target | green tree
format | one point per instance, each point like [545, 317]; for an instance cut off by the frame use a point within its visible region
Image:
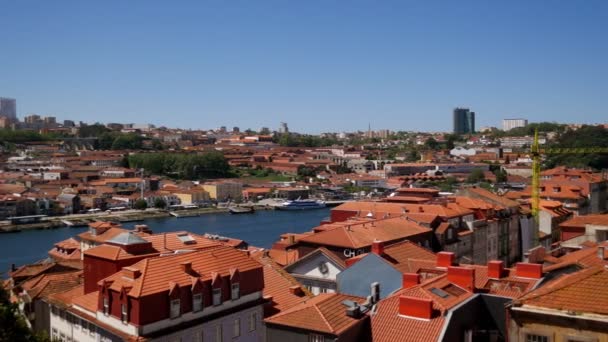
[501, 175]
[476, 176]
[432, 144]
[160, 203]
[12, 325]
[91, 131]
[140, 204]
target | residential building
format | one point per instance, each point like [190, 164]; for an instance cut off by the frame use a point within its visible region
[509, 124]
[325, 317]
[8, 108]
[224, 190]
[317, 271]
[464, 121]
[574, 307]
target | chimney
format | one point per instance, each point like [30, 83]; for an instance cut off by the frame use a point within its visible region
[375, 287]
[296, 290]
[354, 311]
[378, 247]
[130, 273]
[462, 276]
[600, 252]
[496, 269]
[528, 270]
[13, 267]
[415, 307]
[351, 261]
[186, 266]
[410, 280]
[445, 259]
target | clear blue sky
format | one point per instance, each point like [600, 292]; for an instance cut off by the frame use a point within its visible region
[317, 65]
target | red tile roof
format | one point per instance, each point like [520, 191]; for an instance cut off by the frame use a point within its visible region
[324, 313]
[583, 292]
[158, 272]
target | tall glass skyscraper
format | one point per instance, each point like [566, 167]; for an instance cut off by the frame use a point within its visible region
[464, 121]
[8, 108]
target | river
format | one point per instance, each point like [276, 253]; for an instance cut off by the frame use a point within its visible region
[260, 229]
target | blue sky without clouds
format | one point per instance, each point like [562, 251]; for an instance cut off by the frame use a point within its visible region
[317, 65]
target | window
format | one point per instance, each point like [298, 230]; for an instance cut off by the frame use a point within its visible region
[236, 328]
[85, 326]
[77, 323]
[197, 302]
[236, 291]
[54, 334]
[536, 338]
[316, 338]
[217, 296]
[253, 317]
[218, 333]
[450, 234]
[322, 290]
[106, 306]
[175, 308]
[198, 336]
[124, 313]
[92, 330]
[62, 337]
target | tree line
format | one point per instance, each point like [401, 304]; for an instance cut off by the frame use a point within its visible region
[182, 165]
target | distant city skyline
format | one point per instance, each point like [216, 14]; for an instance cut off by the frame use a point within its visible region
[317, 66]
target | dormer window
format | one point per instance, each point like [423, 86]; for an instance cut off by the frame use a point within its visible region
[175, 308]
[217, 296]
[106, 305]
[124, 313]
[236, 291]
[197, 302]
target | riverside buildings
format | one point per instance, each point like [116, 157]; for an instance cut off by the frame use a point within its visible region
[509, 124]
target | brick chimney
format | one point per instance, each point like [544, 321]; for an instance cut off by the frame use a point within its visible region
[462, 276]
[410, 279]
[527, 270]
[131, 273]
[496, 269]
[445, 259]
[296, 290]
[186, 267]
[378, 247]
[415, 307]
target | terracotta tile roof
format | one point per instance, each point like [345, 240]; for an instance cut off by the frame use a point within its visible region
[324, 313]
[362, 234]
[66, 298]
[581, 221]
[586, 257]
[404, 256]
[87, 301]
[583, 292]
[46, 284]
[449, 210]
[329, 254]
[158, 272]
[277, 284]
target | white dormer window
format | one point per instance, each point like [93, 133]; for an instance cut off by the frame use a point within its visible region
[197, 302]
[124, 313]
[236, 291]
[217, 296]
[106, 306]
[175, 308]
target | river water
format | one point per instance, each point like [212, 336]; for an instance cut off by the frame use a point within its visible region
[260, 229]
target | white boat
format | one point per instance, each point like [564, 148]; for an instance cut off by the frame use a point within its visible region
[299, 204]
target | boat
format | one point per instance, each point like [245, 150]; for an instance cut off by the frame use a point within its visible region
[299, 204]
[241, 210]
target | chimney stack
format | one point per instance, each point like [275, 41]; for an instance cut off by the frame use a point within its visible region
[462, 276]
[378, 247]
[375, 287]
[186, 266]
[496, 269]
[410, 280]
[296, 290]
[601, 252]
[445, 259]
[527, 270]
[415, 307]
[131, 273]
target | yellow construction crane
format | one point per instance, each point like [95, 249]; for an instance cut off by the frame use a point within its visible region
[536, 153]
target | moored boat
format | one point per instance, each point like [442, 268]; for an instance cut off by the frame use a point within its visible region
[241, 210]
[299, 204]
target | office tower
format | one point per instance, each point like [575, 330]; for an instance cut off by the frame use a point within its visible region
[283, 128]
[509, 124]
[8, 108]
[464, 121]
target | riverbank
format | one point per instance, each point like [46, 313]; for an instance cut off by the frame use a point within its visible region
[82, 220]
